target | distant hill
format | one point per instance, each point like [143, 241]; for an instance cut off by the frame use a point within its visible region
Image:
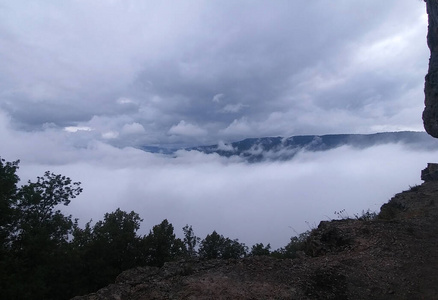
[284, 148]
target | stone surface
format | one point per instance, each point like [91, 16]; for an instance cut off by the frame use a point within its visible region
[430, 173]
[430, 113]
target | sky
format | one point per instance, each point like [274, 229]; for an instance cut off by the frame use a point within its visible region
[83, 83]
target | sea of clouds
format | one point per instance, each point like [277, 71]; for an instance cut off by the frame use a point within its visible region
[266, 202]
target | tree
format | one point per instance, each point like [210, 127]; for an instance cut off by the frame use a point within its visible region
[118, 231]
[36, 204]
[260, 249]
[190, 241]
[212, 246]
[107, 248]
[217, 246]
[296, 243]
[34, 234]
[161, 244]
[42, 233]
[234, 249]
[8, 190]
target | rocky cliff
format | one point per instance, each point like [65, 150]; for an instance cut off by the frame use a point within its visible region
[430, 113]
[392, 257]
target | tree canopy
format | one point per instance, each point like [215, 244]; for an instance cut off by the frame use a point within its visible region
[217, 246]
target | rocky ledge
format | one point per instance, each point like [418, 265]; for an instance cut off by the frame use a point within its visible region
[392, 257]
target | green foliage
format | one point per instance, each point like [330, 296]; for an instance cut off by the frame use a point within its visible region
[46, 255]
[107, 248]
[162, 245]
[260, 250]
[34, 234]
[8, 190]
[190, 241]
[217, 246]
[118, 232]
[36, 213]
[366, 216]
[297, 243]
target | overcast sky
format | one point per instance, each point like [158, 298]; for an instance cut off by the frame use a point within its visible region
[195, 72]
[81, 82]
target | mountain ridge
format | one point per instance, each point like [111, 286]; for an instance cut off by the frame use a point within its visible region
[284, 148]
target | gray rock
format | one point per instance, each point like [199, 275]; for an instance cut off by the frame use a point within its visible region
[430, 113]
[430, 173]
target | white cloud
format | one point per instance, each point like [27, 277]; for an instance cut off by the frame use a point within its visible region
[252, 202]
[238, 127]
[109, 135]
[186, 129]
[225, 147]
[255, 203]
[233, 108]
[77, 128]
[124, 100]
[60, 65]
[218, 97]
[133, 128]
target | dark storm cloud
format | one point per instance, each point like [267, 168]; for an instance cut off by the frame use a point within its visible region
[280, 67]
[252, 55]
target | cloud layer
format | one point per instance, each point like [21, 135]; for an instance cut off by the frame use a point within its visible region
[198, 72]
[84, 82]
[264, 202]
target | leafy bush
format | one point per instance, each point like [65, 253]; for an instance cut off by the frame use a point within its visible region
[260, 250]
[296, 244]
[217, 246]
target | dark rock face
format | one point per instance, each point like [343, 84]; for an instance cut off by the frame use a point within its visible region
[430, 113]
[430, 173]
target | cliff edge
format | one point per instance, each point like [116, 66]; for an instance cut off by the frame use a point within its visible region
[391, 257]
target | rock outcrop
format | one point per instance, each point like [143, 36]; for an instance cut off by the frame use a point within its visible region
[392, 257]
[430, 113]
[430, 173]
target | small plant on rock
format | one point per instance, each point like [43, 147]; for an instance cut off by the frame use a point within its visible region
[366, 216]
